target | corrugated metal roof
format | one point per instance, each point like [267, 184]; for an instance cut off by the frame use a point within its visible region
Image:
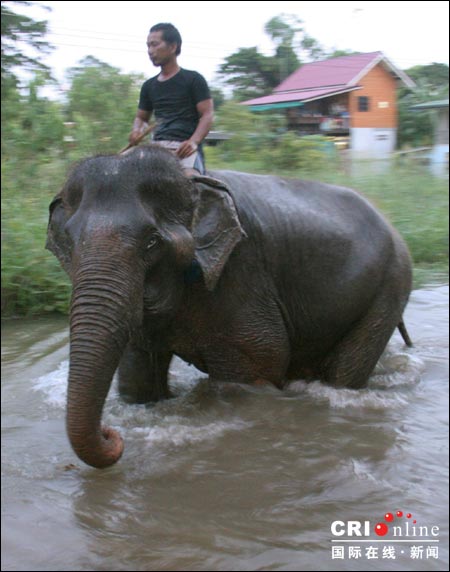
[328, 77]
[327, 73]
[304, 96]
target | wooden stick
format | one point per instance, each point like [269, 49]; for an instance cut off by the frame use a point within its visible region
[139, 139]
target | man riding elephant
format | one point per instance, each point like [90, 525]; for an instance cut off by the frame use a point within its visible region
[180, 100]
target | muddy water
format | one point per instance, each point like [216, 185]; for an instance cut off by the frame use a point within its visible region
[232, 478]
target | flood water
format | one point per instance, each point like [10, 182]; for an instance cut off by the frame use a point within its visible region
[229, 477]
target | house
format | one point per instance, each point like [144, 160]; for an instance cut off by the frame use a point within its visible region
[439, 151]
[350, 96]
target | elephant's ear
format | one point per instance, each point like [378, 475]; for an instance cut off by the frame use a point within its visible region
[57, 240]
[216, 228]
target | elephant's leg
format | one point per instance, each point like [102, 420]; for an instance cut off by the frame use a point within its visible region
[351, 362]
[143, 375]
[257, 359]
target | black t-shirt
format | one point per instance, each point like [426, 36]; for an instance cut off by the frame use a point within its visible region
[174, 104]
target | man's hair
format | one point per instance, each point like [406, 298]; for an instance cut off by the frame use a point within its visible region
[169, 34]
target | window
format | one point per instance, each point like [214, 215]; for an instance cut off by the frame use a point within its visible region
[363, 103]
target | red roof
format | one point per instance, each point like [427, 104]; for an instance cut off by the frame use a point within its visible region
[340, 71]
[304, 96]
[328, 77]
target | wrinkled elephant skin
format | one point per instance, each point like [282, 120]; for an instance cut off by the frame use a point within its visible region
[259, 279]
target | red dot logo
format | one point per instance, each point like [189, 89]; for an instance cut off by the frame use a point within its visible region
[389, 517]
[382, 529]
[399, 513]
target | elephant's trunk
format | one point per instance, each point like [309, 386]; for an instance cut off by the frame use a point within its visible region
[102, 314]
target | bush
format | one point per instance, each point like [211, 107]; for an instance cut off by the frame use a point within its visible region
[32, 279]
[307, 154]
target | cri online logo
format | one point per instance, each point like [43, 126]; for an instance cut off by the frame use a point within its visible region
[401, 527]
[382, 528]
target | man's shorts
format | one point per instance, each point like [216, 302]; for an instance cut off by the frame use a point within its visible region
[194, 161]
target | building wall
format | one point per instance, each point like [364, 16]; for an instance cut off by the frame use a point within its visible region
[380, 87]
[441, 129]
[439, 153]
[376, 143]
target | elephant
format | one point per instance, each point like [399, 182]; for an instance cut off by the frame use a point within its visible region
[254, 279]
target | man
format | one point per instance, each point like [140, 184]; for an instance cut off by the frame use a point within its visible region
[180, 100]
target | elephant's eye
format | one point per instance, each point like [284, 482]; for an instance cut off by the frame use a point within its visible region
[152, 242]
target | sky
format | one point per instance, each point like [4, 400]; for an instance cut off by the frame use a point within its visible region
[115, 32]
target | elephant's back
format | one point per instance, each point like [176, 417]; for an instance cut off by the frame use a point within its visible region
[323, 247]
[314, 208]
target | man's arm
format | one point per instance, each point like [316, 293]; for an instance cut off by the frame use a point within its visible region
[206, 112]
[140, 124]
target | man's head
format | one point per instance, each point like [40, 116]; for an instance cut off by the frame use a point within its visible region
[168, 34]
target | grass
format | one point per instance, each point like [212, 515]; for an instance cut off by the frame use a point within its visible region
[33, 282]
[416, 203]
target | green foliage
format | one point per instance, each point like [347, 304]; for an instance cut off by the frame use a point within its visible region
[252, 74]
[307, 154]
[218, 97]
[262, 136]
[433, 78]
[238, 121]
[416, 128]
[39, 143]
[416, 203]
[20, 32]
[286, 31]
[102, 103]
[418, 208]
[283, 28]
[287, 62]
[32, 124]
[32, 280]
[312, 50]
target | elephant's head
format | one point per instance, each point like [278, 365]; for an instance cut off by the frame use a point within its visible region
[126, 229]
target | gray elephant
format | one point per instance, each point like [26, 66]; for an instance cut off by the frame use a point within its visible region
[253, 279]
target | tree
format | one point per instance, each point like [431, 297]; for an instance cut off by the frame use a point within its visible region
[283, 29]
[252, 74]
[32, 127]
[433, 78]
[415, 128]
[19, 34]
[22, 39]
[218, 97]
[41, 120]
[102, 102]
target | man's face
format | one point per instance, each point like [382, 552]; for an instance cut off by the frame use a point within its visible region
[159, 51]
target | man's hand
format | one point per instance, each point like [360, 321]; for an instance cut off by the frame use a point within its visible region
[136, 135]
[186, 149]
[140, 126]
